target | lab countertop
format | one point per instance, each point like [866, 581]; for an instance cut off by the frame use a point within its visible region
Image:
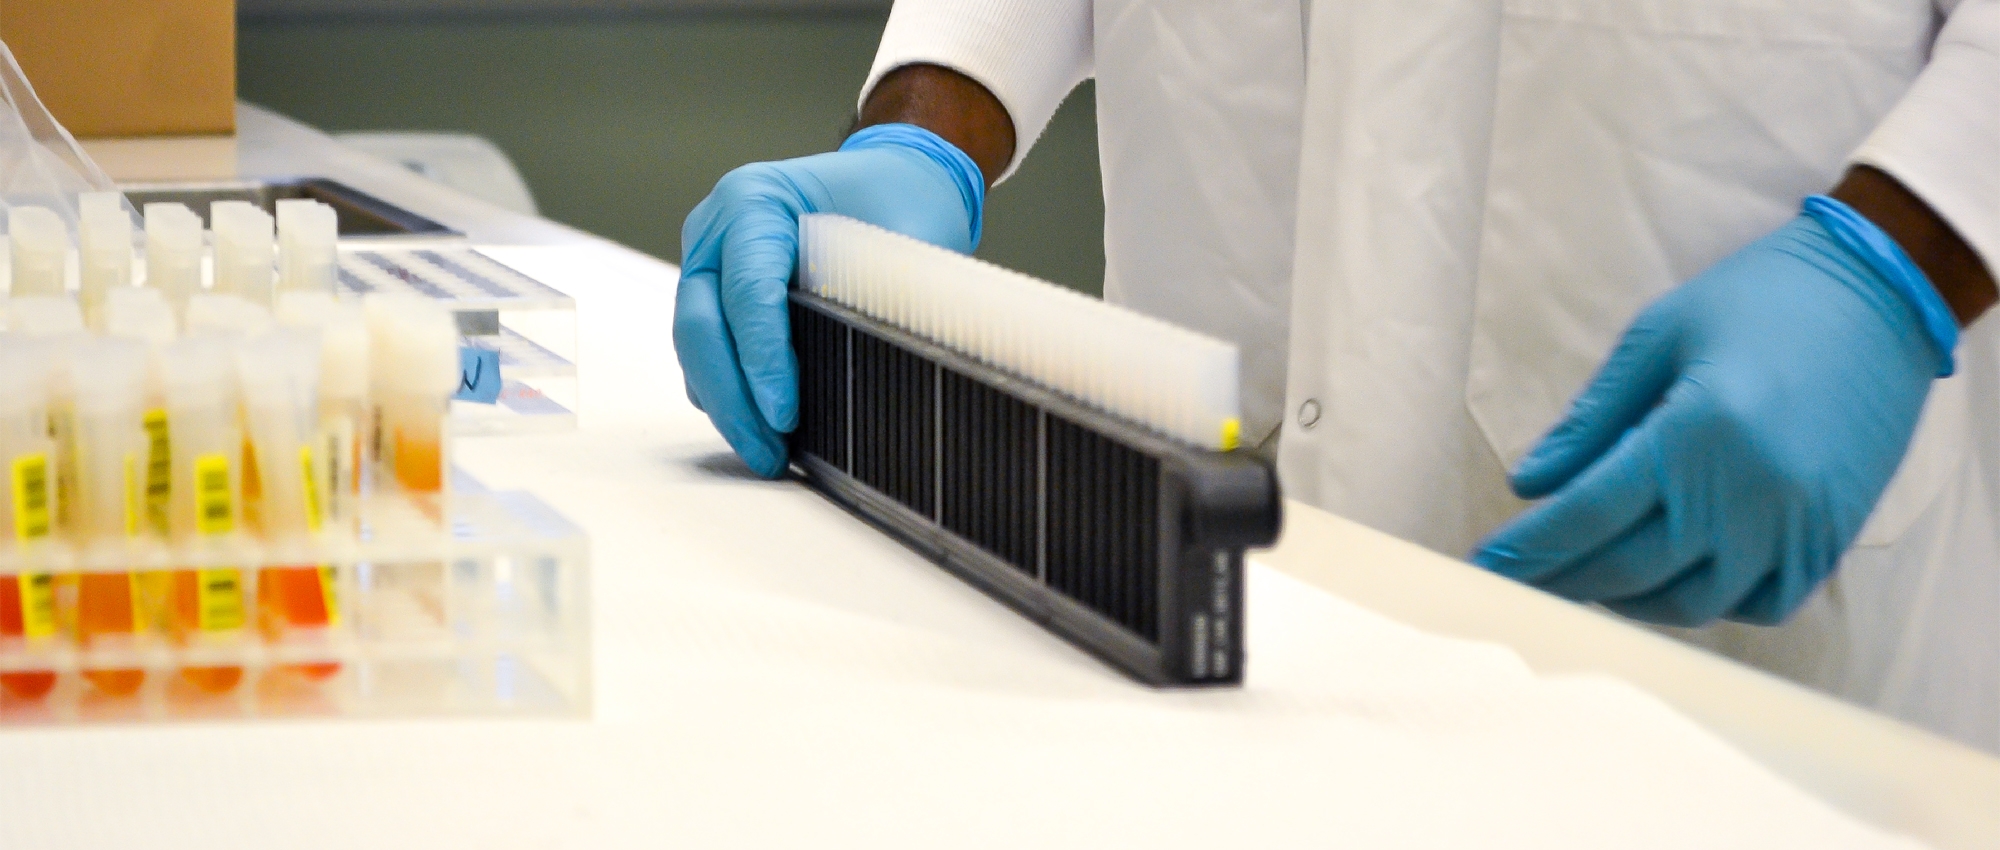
[814, 592]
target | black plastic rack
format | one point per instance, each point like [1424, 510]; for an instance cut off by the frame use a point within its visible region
[1125, 542]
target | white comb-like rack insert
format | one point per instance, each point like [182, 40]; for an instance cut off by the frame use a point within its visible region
[1159, 375]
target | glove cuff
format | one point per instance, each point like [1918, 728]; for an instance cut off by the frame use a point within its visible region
[1859, 235]
[965, 173]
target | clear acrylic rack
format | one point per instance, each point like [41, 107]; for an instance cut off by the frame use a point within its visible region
[531, 324]
[478, 608]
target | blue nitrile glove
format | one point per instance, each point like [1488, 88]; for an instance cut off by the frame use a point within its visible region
[1732, 446]
[732, 330]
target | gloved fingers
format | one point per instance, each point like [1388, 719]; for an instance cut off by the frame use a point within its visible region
[1602, 504]
[759, 251]
[1771, 601]
[1697, 597]
[1629, 383]
[1792, 573]
[1701, 595]
[709, 364]
[1642, 559]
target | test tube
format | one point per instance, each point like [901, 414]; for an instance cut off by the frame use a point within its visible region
[55, 352]
[173, 253]
[143, 315]
[138, 314]
[28, 598]
[208, 601]
[414, 348]
[280, 377]
[343, 399]
[44, 315]
[308, 232]
[40, 243]
[227, 314]
[108, 382]
[106, 240]
[244, 251]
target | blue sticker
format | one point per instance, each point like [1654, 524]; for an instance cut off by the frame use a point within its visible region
[478, 375]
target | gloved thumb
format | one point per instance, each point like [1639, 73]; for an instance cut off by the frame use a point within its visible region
[1625, 388]
[758, 252]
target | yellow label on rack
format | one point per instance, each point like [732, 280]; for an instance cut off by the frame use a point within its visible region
[329, 591]
[219, 597]
[159, 470]
[311, 488]
[31, 496]
[215, 513]
[1232, 434]
[38, 604]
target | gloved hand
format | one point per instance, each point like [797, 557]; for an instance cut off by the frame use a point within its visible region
[1731, 448]
[732, 330]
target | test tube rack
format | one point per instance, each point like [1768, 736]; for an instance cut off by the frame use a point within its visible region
[472, 604]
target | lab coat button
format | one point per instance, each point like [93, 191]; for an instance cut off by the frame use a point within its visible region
[1309, 413]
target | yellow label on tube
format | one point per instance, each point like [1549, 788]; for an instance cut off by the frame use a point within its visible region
[326, 574]
[219, 596]
[215, 511]
[31, 496]
[135, 591]
[135, 495]
[38, 604]
[311, 488]
[159, 471]
[329, 592]
[30, 481]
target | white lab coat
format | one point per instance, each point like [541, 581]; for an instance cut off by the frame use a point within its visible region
[1459, 204]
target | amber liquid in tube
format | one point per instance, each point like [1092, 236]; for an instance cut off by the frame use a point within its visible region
[280, 386]
[27, 599]
[207, 601]
[14, 616]
[302, 597]
[108, 605]
[420, 456]
[112, 439]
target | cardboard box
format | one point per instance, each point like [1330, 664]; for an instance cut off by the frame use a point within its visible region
[129, 67]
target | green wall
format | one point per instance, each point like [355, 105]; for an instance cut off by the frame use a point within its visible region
[621, 124]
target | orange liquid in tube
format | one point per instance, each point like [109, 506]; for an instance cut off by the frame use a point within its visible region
[286, 495]
[107, 605]
[209, 601]
[27, 599]
[14, 617]
[206, 602]
[114, 435]
[419, 460]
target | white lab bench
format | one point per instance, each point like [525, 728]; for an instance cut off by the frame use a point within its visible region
[693, 752]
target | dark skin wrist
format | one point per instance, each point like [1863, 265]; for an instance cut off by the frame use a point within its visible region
[1951, 264]
[950, 104]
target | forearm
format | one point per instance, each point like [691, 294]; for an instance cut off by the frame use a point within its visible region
[1023, 56]
[1930, 173]
[1944, 256]
[947, 103]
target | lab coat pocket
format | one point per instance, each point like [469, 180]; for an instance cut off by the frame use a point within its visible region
[1636, 143]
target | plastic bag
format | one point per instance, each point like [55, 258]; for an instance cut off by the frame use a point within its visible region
[41, 164]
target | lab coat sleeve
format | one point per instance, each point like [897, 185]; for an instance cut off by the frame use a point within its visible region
[1943, 139]
[1029, 53]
